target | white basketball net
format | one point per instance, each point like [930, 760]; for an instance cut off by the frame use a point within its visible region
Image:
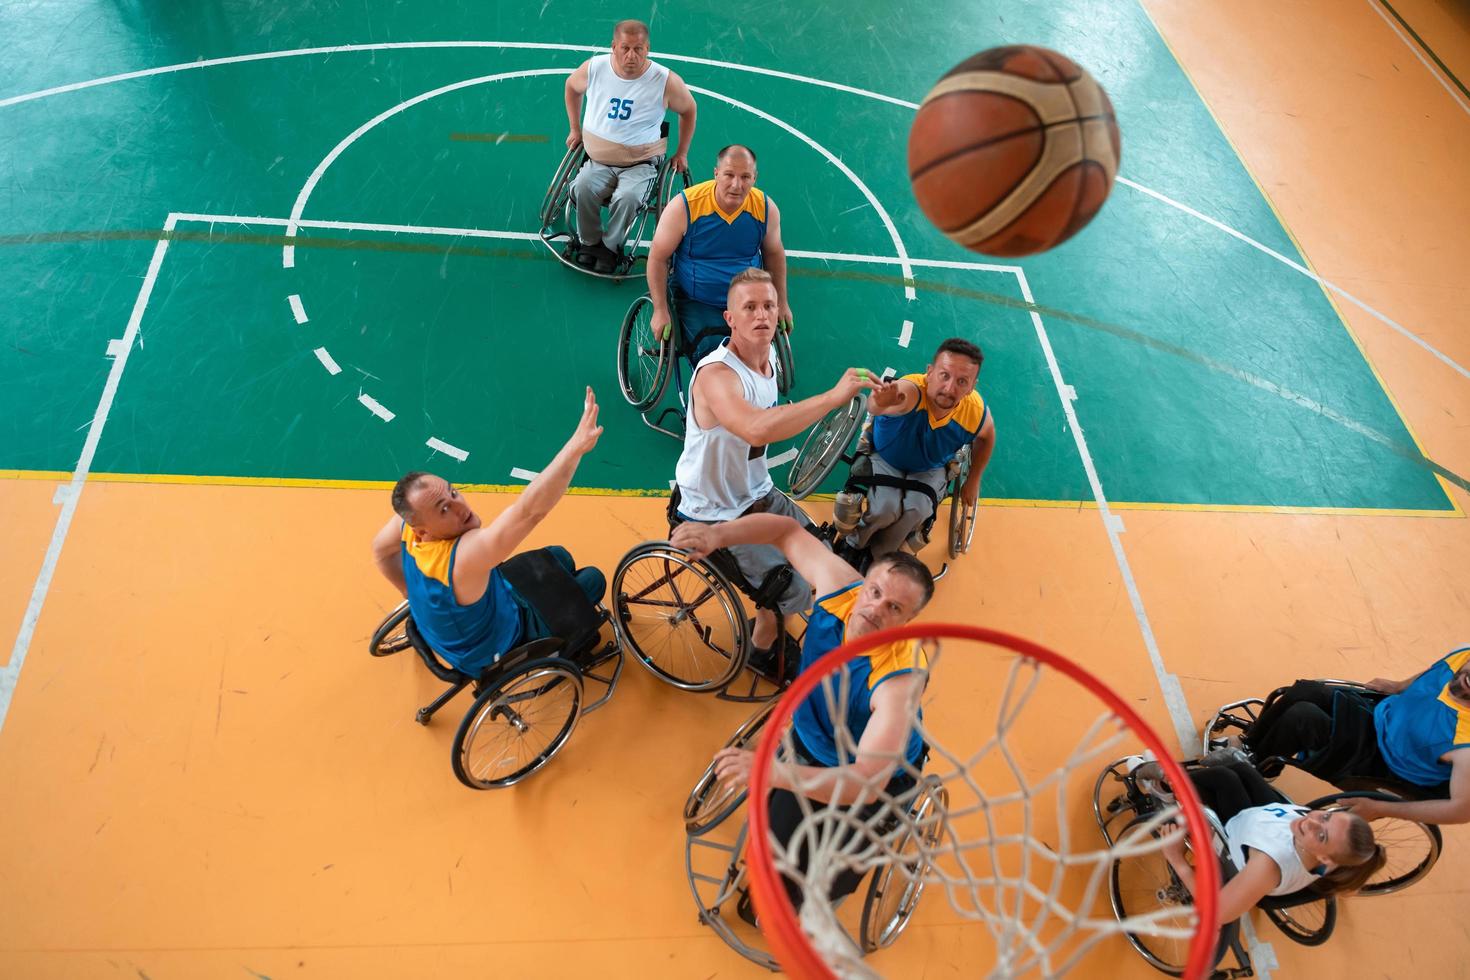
[1009, 838]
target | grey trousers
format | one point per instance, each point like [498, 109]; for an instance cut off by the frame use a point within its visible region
[893, 513]
[620, 189]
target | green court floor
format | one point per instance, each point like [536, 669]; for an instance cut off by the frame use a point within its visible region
[1204, 372]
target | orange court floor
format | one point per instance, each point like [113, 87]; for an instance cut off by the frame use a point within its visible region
[206, 775]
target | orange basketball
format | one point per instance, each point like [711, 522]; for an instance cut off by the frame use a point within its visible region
[1013, 151]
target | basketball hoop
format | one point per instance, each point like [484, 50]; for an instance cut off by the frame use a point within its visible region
[987, 822]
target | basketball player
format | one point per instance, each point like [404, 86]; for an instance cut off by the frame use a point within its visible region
[711, 231]
[625, 96]
[733, 416]
[882, 686]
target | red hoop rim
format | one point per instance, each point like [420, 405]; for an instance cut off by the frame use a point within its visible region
[778, 919]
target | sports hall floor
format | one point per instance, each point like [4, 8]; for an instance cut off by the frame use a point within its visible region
[207, 776]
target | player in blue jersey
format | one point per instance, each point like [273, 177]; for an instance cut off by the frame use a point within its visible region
[919, 423]
[1418, 734]
[712, 232]
[439, 557]
[883, 684]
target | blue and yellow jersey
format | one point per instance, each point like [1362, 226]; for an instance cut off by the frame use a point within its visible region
[1424, 722]
[468, 637]
[921, 440]
[717, 246]
[825, 632]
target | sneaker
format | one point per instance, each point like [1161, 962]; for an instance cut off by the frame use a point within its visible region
[583, 255]
[1148, 776]
[763, 660]
[1226, 755]
[607, 259]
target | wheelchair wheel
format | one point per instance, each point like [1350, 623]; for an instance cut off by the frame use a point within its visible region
[961, 517]
[785, 363]
[1146, 883]
[895, 888]
[391, 635]
[824, 446]
[1309, 924]
[712, 801]
[559, 191]
[644, 362]
[668, 187]
[518, 722]
[682, 618]
[1411, 847]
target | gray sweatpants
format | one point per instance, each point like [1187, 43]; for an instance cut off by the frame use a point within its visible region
[620, 189]
[893, 513]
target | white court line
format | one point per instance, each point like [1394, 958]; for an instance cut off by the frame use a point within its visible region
[528, 475]
[1179, 714]
[666, 56]
[10, 673]
[297, 310]
[781, 459]
[327, 362]
[1299, 268]
[440, 446]
[906, 333]
[376, 407]
[1418, 54]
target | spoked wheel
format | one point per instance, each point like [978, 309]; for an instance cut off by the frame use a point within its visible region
[711, 800]
[391, 635]
[824, 446]
[1411, 847]
[680, 617]
[559, 191]
[1145, 884]
[895, 888]
[670, 183]
[1310, 923]
[785, 363]
[961, 515]
[518, 723]
[644, 361]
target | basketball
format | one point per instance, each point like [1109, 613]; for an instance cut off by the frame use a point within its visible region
[1013, 151]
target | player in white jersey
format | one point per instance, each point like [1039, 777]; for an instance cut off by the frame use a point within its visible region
[1277, 847]
[625, 96]
[733, 416]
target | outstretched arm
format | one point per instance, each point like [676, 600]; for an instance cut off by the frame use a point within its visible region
[1456, 809]
[806, 553]
[1240, 894]
[387, 549]
[720, 400]
[482, 549]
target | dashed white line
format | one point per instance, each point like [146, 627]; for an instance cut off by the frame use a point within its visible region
[906, 334]
[528, 475]
[327, 362]
[297, 310]
[781, 459]
[440, 446]
[376, 407]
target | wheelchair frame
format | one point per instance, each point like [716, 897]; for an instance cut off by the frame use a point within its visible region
[558, 215]
[711, 803]
[506, 689]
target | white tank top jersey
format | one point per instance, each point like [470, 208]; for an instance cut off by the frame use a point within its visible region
[622, 110]
[719, 474]
[1268, 829]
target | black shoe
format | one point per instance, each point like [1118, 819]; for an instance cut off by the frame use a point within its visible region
[764, 661]
[607, 259]
[746, 910]
[583, 255]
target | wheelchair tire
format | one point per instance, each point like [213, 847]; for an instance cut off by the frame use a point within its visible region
[711, 802]
[825, 445]
[892, 895]
[536, 703]
[391, 636]
[644, 363]
[1308, 924]
[559, 191]
[1412, 847]
[671, 635]
[1136, 890]
[961, 518]
[785, 363]
[666, 187]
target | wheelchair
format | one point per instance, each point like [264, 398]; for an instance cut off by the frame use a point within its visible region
[714, 860]
[646, 363]
[1413, 847]
[828, 443]
[559, 215]
[527, 703]
[1141, 884]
